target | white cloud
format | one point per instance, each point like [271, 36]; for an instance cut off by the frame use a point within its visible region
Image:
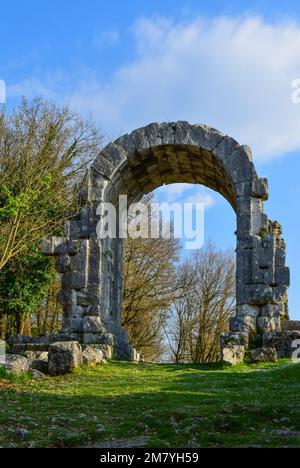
[2, 92]
[185, 193]
[173, 191]
[201, 197]
[232, 73]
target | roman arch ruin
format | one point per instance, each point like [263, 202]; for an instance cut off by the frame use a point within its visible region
[137, 164]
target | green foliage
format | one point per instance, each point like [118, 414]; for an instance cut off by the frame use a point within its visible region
[15, 378]
[263, 232]
[24, 282]
[11, 204]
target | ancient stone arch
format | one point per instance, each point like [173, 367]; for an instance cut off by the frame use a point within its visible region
[136, 164]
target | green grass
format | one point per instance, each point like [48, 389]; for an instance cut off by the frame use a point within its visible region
[172, 406]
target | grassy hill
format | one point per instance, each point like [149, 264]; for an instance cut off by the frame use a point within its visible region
[154, 406]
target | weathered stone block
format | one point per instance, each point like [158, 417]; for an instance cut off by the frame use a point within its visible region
[76, 312]
[92, 356]
[126, 144]
[40, 365]
[46, 246]
[230, 339]
[291, 325]
[167, 133]
[233, 355]
[248, 310]
[59, 246]
[282, 341]
[114, 154]
[272, 311]
[140, 139]
[82, 299]
[244, 189]
[280, 293]
[104, 167]
[263, 355]
[63, 264]
[260, 188]
[72, 325]
[226, 149]
[16, 364]
[268, 324]
[94, 311]
[243, 324]
[38, 360]
[92, 324]
[67, 297]
[107, 350]
[240, 164]
[64, 357]
[280, 257]
[282, 276]
[259, 222]
[33, 355]
[261, 294]
[73, 229]
[73, 280]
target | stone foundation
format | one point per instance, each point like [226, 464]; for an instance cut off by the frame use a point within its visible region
[22, 345]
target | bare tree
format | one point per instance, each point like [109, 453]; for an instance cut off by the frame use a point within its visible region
[44, 150]
[202, 313]
[150, 286]
[48, 315]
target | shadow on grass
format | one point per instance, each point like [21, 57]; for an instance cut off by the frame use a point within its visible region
[189, 406]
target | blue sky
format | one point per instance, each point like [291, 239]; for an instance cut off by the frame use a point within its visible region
[229, 64]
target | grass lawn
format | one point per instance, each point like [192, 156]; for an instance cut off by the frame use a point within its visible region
[177, 406]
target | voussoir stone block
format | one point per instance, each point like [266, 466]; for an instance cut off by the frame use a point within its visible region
[104, 167]
[64, 357]
[114, 154]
